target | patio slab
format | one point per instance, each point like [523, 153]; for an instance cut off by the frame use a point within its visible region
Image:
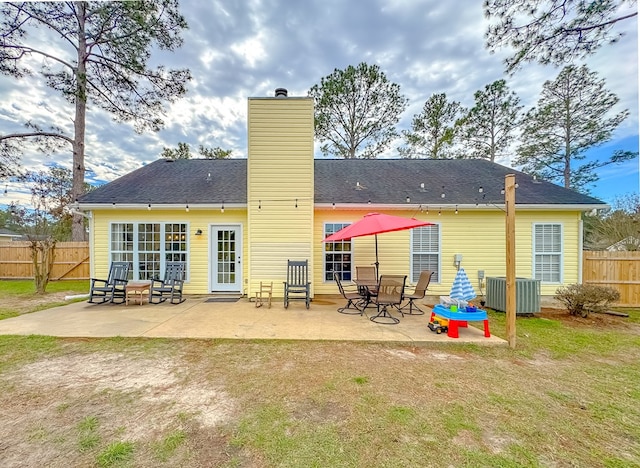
[196, 318]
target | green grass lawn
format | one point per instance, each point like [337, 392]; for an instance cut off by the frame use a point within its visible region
[567, 396]
[26, 287]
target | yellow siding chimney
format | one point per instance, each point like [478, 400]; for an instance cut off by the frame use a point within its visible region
[280, 187]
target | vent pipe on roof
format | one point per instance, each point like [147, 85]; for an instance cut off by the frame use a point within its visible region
[281, 92]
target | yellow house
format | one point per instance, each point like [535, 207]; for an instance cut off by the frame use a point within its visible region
[235, 222]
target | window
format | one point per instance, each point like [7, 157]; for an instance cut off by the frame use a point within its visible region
[547, 252]
[148, 251]
[337, 255]
[122, 243]
[425, 252]
[141, 244]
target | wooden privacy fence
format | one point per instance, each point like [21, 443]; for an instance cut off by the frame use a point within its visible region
[619, 270]
[71, 261]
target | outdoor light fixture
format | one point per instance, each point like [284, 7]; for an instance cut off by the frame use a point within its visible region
[296, 203]
[408, 199]
[149, 207]
[456, 209]
[199, 232]
[222, 207]
[186, 208]
[333, 206]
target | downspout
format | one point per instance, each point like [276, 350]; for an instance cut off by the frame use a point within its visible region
[92, 259]
[580, 249]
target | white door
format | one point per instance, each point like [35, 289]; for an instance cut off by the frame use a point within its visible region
[226, 252]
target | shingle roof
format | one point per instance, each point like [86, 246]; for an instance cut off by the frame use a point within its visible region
[174, 182]
[379, 181]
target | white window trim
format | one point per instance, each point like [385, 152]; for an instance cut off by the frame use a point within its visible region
[135, 270]
[411, 253]
[534, 251]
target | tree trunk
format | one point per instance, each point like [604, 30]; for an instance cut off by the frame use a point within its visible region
[43, 253]
[77, 226]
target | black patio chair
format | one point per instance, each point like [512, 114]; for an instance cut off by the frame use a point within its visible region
[418, 293]
[113, 288]
[170, 287]
[390, 294]
[352, 297]
[297, 286]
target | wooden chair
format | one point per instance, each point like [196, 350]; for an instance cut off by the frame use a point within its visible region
[171, 286]
[297, 286]
[390, 294]
[352, 297]
[113, 288]
[418, 293]
[263, 295]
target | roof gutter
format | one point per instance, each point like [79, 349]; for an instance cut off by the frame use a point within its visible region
[159, 206]
[449, 206]
[341, 206]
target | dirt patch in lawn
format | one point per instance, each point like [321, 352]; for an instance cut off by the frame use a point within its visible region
[28, 303]
[80, 403]
[603, 320]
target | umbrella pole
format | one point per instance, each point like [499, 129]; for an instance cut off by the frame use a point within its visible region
[377, 264]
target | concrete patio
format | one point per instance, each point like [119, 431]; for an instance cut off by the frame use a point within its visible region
[197, 318]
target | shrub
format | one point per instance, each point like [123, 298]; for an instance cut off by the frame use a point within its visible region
[580, 299]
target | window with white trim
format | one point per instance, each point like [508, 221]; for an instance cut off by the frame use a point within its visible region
[337, 255]
[148, 246]
[425, 252]
[547, 252]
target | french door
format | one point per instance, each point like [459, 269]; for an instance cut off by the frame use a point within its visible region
[225, 263]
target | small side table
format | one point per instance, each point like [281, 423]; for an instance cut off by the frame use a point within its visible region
[135, 290]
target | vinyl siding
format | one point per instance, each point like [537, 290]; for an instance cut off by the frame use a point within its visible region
[280, 173]
[477, 234]
[198, 246]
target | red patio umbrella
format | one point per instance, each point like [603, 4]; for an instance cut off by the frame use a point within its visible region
[374, 224]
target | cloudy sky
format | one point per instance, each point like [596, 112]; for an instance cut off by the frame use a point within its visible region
[237, 50]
